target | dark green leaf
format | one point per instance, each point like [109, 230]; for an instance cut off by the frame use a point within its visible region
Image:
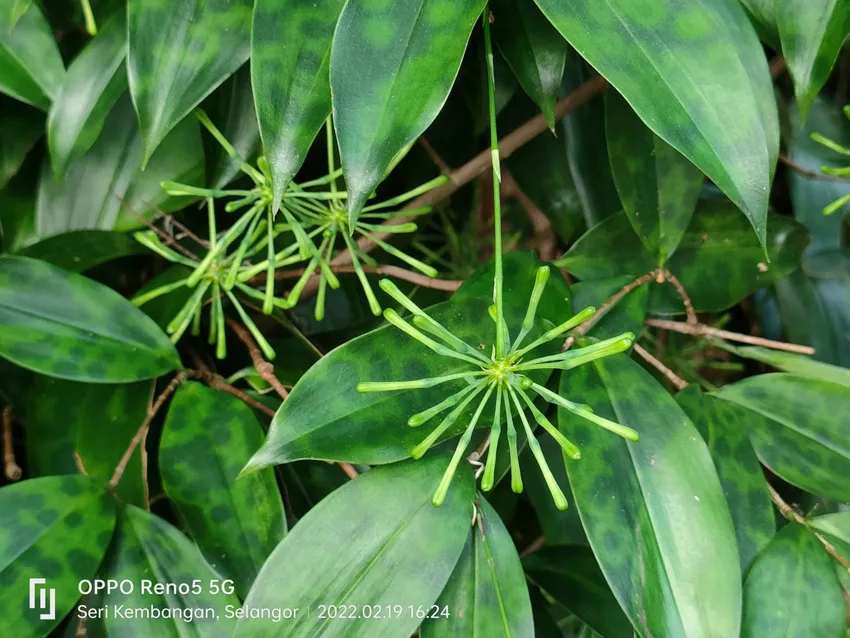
[65, 325]
[803, 437]
[57, 529]
[486, 595]
[50, 439]
[389, 548]
[518, 280]
[231, 108]
[178, 52]
[812, 34]
[590, 257]
[571, 576]
[147, 547]
[797, 364]
[660, 55]
[643, 503]
[31, 69]
[81, 250]
[94, 82]
[290, 60]
[326, 418]
[658, 186]
[534, 49]
[106, 188]
[20, 129]
[392, 66]
[763, 16]
[208, 436]
[836, 529]
[792, 590]
[725, 427]
[626, 316]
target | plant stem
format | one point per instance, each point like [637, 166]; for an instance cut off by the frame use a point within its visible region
[497, 182]
[91, 25]
[11, 469]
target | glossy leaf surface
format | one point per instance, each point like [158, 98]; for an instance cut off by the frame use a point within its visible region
[56, 529]
[20, 129]
[208, 436]
[65, 325]
[534, 49]
[571, 576]
[392, 66]
[642, 504]
[797, 364]
[725, 428]
[660, 55]
[796, 568]
[94, 82]
[290, 67]
[31, 69]
[803, 437]
[178, 52]
[486, 596]
[80, 250]
[398, 550]
[147, 547]
[658, 186]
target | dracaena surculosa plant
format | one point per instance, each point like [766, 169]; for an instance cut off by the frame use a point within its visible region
[502, 375]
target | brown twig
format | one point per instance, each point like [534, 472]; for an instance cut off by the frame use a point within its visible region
[793, 515]
[179, 378]
[263, 367]
[683, 294]
[536, 544]
[811, 174]
[439, 162]
[448, 285]
[171, 219]
[11, 468]
[701, 330]
[168, 239]
[678, 382]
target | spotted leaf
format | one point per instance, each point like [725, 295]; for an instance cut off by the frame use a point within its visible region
[178, 52]
[660, 55]
[290, 67]
[65, 325]
[388, 547]
[147, 547]
[803, 435]
[392, 66]
[643, 505]
[208, 436]
[56, 529]
[31, 69]
[486, 596]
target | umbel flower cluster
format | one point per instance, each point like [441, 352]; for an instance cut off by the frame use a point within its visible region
[503, 377]
[310, 225]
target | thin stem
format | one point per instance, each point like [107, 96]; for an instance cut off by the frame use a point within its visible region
[555, 332]
[268, 302]
[415, 384]
[497, 181]
[418, 451]
[516, 476]
[585, 413]
[540, 280]
[11, 469]
[329, 138]
[364, 281]
[570, 449]
[249, 323]
[678, 382]
[574, 358]
[702, 330]
[489, 478]
[426, 415]
[91, 25]
[263, 367]
[393, 317]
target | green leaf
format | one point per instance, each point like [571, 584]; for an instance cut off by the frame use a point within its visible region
[389, 548]
[797, 364]
[147, 547]
[18, 9]
[65, 325]
[392, 66]
[836, 529]
[106, 188]
[20, 129]
[208, 436]
[519, 269]
[642, 505]
[812, 34]
[658, 186]
[56, 528]
[94, 82]
[325, 417]
[724, 427]
[763, 16]
[31, 69]
[661, 55]
[627, 315]
[803, 437]
[792, 590]
[486, 596]
[178, 52]
[290, 67]
[534, 49]
[718, 261]
[231, 108]
[572, 576]
[50, 440]
[82, 250]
